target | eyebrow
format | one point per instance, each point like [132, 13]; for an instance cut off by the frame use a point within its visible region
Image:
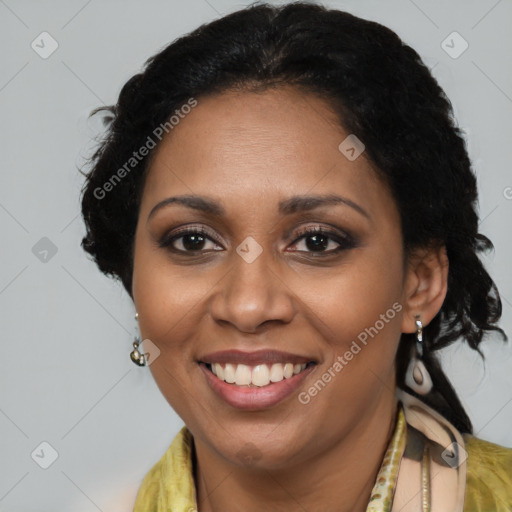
[286, 207]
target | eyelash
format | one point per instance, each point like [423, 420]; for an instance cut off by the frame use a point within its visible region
[344, 240]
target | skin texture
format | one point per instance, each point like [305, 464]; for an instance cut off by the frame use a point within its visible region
[248, 151]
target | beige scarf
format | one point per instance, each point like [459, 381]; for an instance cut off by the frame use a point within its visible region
[432, 472]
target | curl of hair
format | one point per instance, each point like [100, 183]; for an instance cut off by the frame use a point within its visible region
[381, 91]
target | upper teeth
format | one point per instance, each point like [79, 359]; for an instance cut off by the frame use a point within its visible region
[260, 375]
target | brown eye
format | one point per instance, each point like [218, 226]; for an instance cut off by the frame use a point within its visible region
[319, 240]
[190, 239]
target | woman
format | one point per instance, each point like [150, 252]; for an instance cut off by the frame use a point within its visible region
[285, 196]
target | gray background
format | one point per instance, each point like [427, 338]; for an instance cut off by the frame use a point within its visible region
[66, 376]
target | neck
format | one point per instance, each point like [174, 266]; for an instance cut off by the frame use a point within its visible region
[339, 479]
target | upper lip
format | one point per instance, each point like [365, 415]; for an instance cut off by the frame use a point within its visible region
[253, 358]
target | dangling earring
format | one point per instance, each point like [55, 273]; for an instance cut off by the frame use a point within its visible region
[138, 358]
[417, 376]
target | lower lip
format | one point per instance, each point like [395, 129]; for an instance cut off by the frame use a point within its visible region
[253, 398]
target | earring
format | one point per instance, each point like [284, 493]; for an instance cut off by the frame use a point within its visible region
[138, 358]
[417, 376]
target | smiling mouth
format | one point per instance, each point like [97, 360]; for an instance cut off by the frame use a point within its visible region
[260, 375]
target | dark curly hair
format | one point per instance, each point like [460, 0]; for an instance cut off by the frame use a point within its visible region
[381, 91]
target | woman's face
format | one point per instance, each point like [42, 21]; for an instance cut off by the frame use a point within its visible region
[249, 291]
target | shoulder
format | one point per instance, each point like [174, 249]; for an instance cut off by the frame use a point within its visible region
[489, 476]
[169, 480]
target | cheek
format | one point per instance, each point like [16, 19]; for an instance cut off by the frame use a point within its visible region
[167, 302]
[165, 294]
[360, 308]
[162, 304]
[359, 316]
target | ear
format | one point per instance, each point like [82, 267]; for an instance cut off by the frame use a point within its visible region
[425, 286]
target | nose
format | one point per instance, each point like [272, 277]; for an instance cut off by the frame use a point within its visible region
[253, 294]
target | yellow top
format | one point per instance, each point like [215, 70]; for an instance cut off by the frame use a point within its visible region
[489, 476]
[169, 485]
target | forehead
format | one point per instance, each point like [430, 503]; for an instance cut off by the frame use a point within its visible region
[258, 148]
